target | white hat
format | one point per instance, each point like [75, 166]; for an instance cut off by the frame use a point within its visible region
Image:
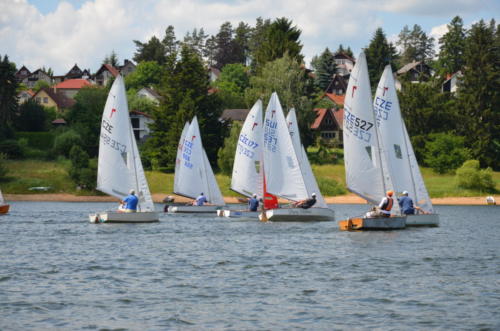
[132, 191]
[405, 192]
[255, 195]
[314, 194]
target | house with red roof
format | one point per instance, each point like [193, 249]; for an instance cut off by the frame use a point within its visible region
[344, 62]
[49, 97]
[105, 73]
[71, 87]
[24, 96]
[329, 123]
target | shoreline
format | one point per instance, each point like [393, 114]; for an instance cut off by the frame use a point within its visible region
[158, 198]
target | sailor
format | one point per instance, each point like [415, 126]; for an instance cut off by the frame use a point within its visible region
[253, 203]
[200, 200]
[307, 203]
[406, 204]
[385, 206]
[129, 204]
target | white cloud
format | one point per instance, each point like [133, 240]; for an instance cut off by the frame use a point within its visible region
[87, 34]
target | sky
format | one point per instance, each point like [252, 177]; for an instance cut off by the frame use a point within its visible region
[60, 33]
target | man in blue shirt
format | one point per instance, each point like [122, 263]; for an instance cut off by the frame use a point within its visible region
[200, 200]
[253, 203]
[406, 204]
[130, 203]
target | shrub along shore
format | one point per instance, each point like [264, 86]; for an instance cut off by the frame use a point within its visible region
[53, 175]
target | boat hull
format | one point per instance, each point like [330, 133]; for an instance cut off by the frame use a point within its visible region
[193, 209]
[375, 223]
[298, 215]
[4, 209]
[431, 220]
[115, 217]
[242, 214]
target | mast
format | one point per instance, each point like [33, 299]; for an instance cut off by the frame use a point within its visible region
[132, 141]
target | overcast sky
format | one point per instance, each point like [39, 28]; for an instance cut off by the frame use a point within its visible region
[60, 33]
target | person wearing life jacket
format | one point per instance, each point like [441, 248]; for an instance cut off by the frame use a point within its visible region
[385, 206]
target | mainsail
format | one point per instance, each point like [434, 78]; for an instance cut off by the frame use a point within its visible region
[362, 155]
[305, 166]
[119, 164]
[247, 177]
[281, 165]
[194, 174]
[396, 145]
[178, 158]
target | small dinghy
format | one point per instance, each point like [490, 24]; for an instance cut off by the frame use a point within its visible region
[4, 207]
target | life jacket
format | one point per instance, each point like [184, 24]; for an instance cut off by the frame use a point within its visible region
[387, 206]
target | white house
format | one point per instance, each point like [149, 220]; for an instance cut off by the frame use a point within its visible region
[150, 94]
[140, 124]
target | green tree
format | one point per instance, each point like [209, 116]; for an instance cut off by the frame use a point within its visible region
[65, 141]
[32, 117]
[281, 38]
[415, 44]
[111, 59]
[196, 40]
[324, 67]
[293, 85]
[231, 85]
[40, 84]
[452, 46]
[8, 96]
[185, 94]
[225, 46]
[346, 51]
[242, 35]
[257, 38]
[170, 43]
[225, 155]
[140, 103]
[470, 176]
[3, 168]
[153, 50]
[210, 50]
[146, 74]
[445, 152]
[81, 171]
[85, 116]
[379, 53]
[479, 94]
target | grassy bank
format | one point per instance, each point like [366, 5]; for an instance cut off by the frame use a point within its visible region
[331, 179]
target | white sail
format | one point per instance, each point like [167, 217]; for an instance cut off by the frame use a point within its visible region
[142, 188]
[247, 178]
[194, 175]
[396, 145]
[305, 166]
[281, 165]
[421, 197]
[361, 148]
[2, 201]
[118, 169]
[178, 158]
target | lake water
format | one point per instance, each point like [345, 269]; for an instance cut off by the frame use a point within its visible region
[58, 271]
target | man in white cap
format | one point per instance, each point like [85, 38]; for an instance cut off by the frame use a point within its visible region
[406, 204]
[130, 203]
[307, 203]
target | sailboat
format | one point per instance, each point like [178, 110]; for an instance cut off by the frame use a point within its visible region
[285, 170]
[119, 164]
[247, 177]
[4, 207]
[398, 151]
[366, 167]
[194, 174]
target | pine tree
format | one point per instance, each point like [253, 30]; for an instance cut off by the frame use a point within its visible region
[479, 93]
[242, 36]
[153, 50]
[451, 51]
[324, 68]
[258, 36]
[225, 46]
[8, 95]
[170, 43]
[415, 44]
[281, 38]
[184, 92]
[379, 53]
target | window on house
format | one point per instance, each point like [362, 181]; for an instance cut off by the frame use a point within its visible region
[135, 123]
[340, 92]
[45, 100]
[38, 99]
[328, 121]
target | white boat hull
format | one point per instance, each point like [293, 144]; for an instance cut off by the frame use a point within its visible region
[115, 217]
[373, 223]
[238, 214]
[193, 209]
[422, 220]
[299, 215]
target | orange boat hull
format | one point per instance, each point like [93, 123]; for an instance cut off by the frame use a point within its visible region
[4, 209]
